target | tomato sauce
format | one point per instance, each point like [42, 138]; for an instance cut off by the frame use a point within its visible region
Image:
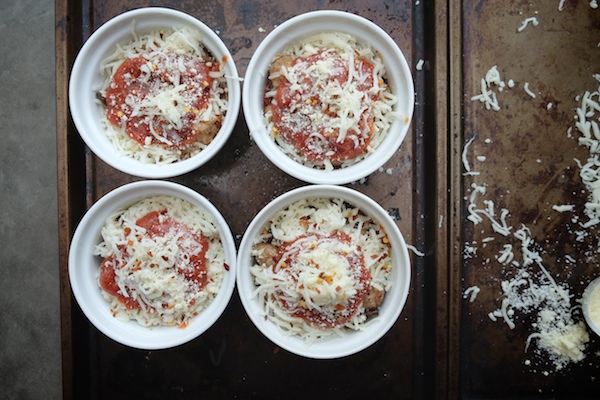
[159, 224]
[343, 312]
[109, 284]
[285, 105]
[127, 88]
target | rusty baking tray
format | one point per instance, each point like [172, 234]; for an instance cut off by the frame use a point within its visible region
[232, 359]
[517, 159]
[459, 157]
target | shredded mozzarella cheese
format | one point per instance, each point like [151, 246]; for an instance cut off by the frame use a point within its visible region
[533, 20]
[488, 96]
[471, 293]
[172, 100]
[587, 123]
[343, 107]
[527, 90]
[149, 267]
[320, 278]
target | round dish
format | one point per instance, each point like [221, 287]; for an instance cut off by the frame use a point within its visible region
[84, 267]
[86, 78]
[591, 299]
[294, 30]
[352, 341]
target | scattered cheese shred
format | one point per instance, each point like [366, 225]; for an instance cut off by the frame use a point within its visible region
[529, 288]
[488, 96]
[527, 90]
[471, 293]
[563, 208]
[587, 123]
[466, 161]
[533, 20]
[415, 250]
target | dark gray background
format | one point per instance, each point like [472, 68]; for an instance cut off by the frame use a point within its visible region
[30, 359]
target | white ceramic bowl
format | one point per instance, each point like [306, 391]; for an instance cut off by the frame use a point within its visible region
[83, 269]
[587, 297]
[292, 31]
[86, 76]
[352, 342]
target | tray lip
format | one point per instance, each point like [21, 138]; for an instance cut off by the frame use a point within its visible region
[71, 24]
[455, 105]
[447, 48]
[61, 16]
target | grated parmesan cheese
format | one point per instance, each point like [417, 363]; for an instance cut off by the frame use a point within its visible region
[530, 289]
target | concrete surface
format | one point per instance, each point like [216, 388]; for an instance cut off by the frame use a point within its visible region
[30, 354]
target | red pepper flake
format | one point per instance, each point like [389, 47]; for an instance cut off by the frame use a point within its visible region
[226, 266]
[276, 350]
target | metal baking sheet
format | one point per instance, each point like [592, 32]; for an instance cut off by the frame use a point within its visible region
[521, 154]
[232, 359]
